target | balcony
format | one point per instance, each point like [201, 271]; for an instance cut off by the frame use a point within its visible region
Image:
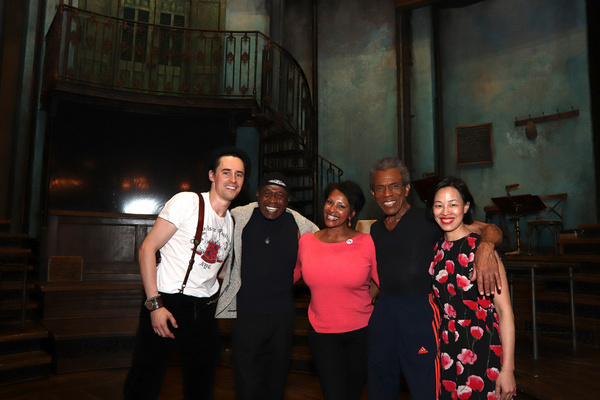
[104, 56]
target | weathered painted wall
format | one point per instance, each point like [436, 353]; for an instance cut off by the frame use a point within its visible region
[297, 34]
[422, 86]
[357, 87]
[507, 59]
[247, 15]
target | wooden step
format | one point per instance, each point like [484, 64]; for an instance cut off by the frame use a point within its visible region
[8, 253]
[15, 285]
[11, 305]
[8, 235]
[22, 357]
[92, 285]
[85, 344]
[22, 360]
[12, 332]
[81, 328]
[97, 298]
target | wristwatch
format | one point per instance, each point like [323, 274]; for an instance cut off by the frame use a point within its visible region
[154, 303]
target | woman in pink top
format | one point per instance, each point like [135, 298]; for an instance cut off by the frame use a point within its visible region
[338, 263]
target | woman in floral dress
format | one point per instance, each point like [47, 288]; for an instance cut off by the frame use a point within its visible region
[475, 362]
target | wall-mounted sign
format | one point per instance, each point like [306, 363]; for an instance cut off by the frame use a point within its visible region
[474, 144]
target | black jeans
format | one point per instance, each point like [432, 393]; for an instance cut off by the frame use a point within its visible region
[341, 362]
[197, 342]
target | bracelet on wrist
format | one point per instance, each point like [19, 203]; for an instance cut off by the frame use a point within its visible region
[154, 303]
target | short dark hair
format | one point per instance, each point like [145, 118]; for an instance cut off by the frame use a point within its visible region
[383, 164]
[214, 159]
[464, 192]
[352, 191]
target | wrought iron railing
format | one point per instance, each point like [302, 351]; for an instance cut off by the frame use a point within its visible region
[327, 172]
[106, 52]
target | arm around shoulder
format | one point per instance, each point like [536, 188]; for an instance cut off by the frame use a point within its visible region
[485, 269]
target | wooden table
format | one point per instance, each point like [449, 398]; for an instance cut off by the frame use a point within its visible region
[534, 264]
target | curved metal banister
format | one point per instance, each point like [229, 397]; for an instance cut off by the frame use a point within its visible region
[107, 52]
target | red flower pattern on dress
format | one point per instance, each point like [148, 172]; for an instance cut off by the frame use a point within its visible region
[439, 256]
[459, 368]
[445, 337]
[447, 361]
[449, 311]
[464, 392]
[481, 314]
[442, 276]
[463, 282]
[452, 325]
[431, 268]
[463, 259]
[484, 301]
[467, 356]
[475, 382]
[476, 353]
[492, 373]
[471, 240]
[449, 385]
[471, 304]
[449, 266]
[451, 289]
[476, 332]
[497, 349]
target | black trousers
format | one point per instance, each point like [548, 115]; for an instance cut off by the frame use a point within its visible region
[341, 362]
[261, 352]
[197, 342]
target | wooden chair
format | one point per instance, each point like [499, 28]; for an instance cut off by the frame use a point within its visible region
[551, 217]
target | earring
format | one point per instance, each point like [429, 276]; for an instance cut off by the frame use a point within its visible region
[349, 221]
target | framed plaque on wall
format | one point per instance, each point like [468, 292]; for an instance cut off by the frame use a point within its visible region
[474, 144]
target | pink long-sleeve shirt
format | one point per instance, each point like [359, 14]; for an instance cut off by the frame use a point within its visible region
[338, 275]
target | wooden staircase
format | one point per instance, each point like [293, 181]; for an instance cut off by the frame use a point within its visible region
[22, 338]
[294, 155]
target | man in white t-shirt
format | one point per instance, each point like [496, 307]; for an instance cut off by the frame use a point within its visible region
[178, 314]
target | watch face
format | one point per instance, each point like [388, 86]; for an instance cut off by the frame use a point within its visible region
[149, 305]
